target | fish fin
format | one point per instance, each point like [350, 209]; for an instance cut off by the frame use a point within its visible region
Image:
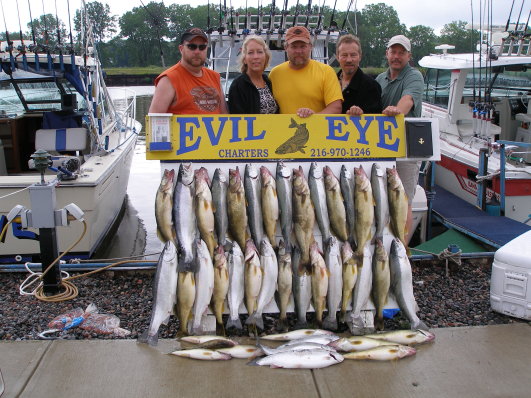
[301, 149]
[420, 326]
[293, 123]
[329, 323]
[166, 321]
[265, 349]
[379, 323]
[236, 323]
[255, 319]
[254, 362]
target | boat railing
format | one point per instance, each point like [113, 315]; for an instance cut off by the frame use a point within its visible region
[515, 44]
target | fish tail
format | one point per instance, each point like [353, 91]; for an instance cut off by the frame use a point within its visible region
[282, 325]
[265, 349]
[330, 323]
[234, 323]
[151, 339]
[420, 326]
[379, 323]
[254, 362]
[355, 325]
[301, 324]
[255, 319]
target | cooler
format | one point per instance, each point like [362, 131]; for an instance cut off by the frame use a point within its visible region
[419, 207]
[510, 285]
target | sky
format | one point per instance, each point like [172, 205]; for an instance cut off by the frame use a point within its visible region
[432, 13]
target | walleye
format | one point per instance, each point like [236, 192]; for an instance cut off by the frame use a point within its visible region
[383, 353]
[381, 205]
[402, 284]
[408, 337]
[297, 142]
[285, 283]
[362, 291]
[204, 278]
[303, 216]
[242, 351]
[318, 196]
[268, 262]
[357, 343]
[254, 202]
[163, 207]
[364, 207]
[270, 210]
[301, 346]
[236, 293]
[221, 284]
[335, 282]
[184, 217]
[381, 281]
[319, 282]
[349, 276]
[203, 209]
[236, 209]
[253, 277]
[314, 339]
[336, 207]
[284, 191]
[206, 338]
[219, 202]
[296, 334]
[185, 298]
[346, 182]
[306, 359]
[203, 354]
[398, 205]
[302, 288]
[164, 293]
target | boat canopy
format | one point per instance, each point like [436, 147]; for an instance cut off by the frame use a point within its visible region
[471, 61]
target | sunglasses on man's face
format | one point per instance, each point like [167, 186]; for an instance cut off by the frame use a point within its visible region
[193, 46]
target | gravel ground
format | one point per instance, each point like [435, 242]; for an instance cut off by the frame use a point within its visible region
[462, 299]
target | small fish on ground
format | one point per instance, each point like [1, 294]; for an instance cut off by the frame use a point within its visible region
[382, 353]
[202, 354]
[242, 351]
[306, 359]
[408, 337]
[296, 334]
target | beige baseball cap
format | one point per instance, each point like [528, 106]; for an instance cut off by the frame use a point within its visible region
[402, 40]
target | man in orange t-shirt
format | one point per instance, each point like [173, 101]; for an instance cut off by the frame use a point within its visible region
[188, 87]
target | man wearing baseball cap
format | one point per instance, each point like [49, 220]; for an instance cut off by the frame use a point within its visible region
[302, 85]
[402, 87]
[188, 87]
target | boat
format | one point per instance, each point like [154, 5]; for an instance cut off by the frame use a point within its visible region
[55, 100]
[481, 102]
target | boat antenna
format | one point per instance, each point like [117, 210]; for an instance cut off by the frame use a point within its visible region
[346, 15]
[308, 12]
[156, 22]
[296, 13]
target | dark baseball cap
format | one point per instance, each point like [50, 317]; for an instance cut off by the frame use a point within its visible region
[192, 33]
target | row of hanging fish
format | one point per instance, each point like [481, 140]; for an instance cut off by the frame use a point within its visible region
[307, 349]
[345, 211]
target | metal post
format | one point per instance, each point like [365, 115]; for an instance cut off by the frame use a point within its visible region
[49, 252]
[430, 199]
[502, 179]
[482, 186]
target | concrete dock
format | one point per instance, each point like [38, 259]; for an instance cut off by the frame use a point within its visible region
[483, 361]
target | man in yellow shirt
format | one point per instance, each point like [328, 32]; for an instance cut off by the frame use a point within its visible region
[302, 85]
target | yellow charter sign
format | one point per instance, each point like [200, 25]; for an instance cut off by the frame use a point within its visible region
[251, 137]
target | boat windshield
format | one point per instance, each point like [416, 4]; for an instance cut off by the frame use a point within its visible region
[505, 84]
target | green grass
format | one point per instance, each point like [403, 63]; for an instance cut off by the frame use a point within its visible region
[147, 70]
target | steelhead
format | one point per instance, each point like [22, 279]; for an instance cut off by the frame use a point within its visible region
[269, 265]
[204, 210]
[349, 276]
[335, 204]
[184, 217]
[164, 293]
[253, 277]
[221, 284]
[335, 282]
[202, 354]
[254, 202]
[236, 293]
[301, 346]
[185, 298]
[297, 334]
[364, 209]
[206, 338]
[163, 207]
[383, 353]
[381, 282]
[236, 208]
[303, 216]
[346, 182]
[381, 206]
[204, 279]
[285, 283]
[242, 351]
[357, 343]
[320, 276]
[314, 339]
[305, 359]
[398, 205]
[402, 284]
[408, 337]
[318, 196]
[283, 180]
[302, 288]
[219, 202]
[362, 292]
[270, 210]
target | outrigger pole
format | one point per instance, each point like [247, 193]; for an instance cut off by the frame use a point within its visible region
[35, 47]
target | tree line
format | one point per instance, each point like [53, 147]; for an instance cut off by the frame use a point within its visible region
[139, 37]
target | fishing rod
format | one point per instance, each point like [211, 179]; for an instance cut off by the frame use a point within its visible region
[258, 30]
[59, 45]
[333, 24]
[271, 24]
[509, 18]
[156, 23]
[308, 12]
[282, 27]
[296, 14]
[34, 47]
[221, 27]
[320, 19]
[22, 47]
[72, 52]
[232, 31]
[46, 40]
[346, 15]
[246, 29]
[9, 42]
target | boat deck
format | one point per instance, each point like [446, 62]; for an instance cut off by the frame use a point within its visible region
[458, 214]
[483, 361]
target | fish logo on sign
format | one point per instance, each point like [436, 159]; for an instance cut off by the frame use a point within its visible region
[297, 143]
